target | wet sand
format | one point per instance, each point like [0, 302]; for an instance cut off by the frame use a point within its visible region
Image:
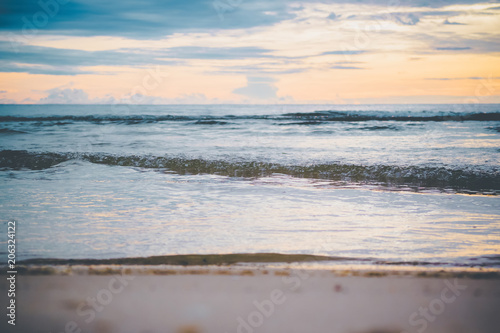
[247, 299]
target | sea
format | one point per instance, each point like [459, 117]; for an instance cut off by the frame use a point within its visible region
[396, 184]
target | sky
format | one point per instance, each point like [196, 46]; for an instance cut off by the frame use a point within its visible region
[249, 51]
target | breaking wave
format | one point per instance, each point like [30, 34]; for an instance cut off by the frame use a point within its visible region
[468, 180]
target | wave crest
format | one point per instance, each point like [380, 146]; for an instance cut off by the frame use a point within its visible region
[461, 180]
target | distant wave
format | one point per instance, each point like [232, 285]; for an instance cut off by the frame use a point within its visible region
[211, 122]
[308, 118]
[391, 116]
[379, 128]
[98, 119]
[304, 123]
[10, 131]
[462, 180]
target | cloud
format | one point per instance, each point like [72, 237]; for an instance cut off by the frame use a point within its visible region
[57, 61]
[7, 101]
[346, 67]
[441, 13]
[488, 42]
[446, 22]
[195, 98]
[406, 19]
[147, 19]
[345, 52]
[65, 96]
[261, 80]
[463, 78]
[332, 16]
[177, 16]
[263, 68]
[258, 88]
[453, 48]
[10, 67]
[54, 61]
[153, 19]
[348, 62]
[221, 53]
[412, 18]
[259, 69]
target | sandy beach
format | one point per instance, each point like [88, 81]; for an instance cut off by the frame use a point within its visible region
[247, 299]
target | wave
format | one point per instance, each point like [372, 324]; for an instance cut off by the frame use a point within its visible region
[308, 118]
[10, 131]
[129, 120]
[486, 261]
[393, 116]
[305, 123]
[21, 159]
[468, 180]
[194, 259]
[210, 122]
[379, 128]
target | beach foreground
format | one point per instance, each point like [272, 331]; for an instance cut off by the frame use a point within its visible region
[247, 299]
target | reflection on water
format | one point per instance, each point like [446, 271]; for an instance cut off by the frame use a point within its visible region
[79, 210]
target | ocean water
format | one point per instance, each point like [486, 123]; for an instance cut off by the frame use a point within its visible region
[397, 183]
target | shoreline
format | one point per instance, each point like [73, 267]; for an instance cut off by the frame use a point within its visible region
[489, 262]
[255, 269]
[191, 259]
